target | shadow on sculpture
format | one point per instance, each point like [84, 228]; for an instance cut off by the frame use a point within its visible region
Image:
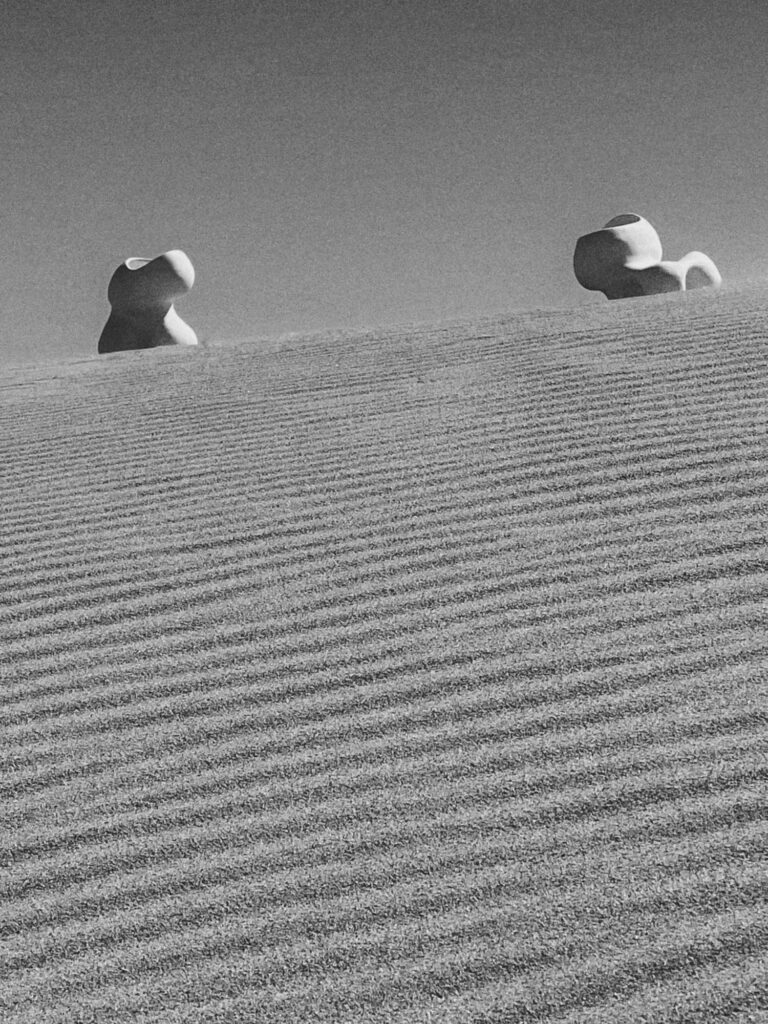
[141, 293]
[623, 260]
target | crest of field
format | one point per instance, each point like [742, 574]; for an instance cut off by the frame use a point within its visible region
[408, 675]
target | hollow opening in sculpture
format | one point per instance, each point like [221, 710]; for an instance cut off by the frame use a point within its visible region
[697, 278]
[136, 262]
[623, 218]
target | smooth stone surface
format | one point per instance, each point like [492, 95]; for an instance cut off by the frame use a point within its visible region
[141, 293]
[623, 260]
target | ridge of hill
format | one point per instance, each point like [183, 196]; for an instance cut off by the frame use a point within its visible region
[410, 675]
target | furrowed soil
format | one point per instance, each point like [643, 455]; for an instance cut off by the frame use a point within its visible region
[412, 676]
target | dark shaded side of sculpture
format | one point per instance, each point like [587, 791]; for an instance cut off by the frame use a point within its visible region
[141, 293]
[623, 260]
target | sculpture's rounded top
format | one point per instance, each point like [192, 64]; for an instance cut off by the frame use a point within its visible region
[181, 265]
[643, 245]
[142, 280]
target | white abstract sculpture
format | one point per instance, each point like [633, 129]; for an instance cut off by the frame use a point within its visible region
[623, 260]
[141, 293]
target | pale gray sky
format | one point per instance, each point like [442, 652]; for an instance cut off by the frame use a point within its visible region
[352, 163]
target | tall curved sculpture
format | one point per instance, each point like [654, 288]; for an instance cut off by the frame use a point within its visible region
[623, 260]
[141, 293]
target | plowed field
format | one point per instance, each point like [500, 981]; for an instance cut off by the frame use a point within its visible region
[411, 676]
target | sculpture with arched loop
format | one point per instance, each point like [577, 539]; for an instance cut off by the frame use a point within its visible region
[624, 260]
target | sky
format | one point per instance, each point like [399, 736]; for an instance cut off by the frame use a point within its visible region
[362, 163]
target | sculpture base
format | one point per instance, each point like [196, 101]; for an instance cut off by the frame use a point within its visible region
[122, 332]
